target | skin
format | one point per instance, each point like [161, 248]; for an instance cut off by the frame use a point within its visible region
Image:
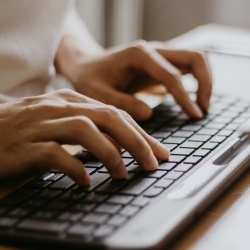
[32, 130]
[109, 76]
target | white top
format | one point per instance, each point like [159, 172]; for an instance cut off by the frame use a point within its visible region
[30, 31]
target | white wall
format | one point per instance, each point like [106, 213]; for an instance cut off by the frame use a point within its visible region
[165, 19]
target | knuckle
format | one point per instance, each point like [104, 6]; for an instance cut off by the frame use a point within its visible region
[139, 47]
[110, 112]
[81, 123]
[199, 56]
[51, 149]
[65, 92]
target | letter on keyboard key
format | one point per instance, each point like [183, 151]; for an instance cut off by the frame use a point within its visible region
[63, 183]
[42, 226]
[138, 186]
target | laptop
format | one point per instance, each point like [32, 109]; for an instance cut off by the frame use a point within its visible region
[147, 210]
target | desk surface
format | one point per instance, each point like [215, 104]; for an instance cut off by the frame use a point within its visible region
[224, 225]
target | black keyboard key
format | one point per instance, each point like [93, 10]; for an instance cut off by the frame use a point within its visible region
[154, 174]
[176, 158]
[152, 192]
[138, 186]
[38, 184]
[45, 176]
[72, 196]
[129, 210]
[70, 216]
[56, 177]
[50, 227]
[3, 210]
[182, 151]
[44, 215]
[95, 218]
[7, 222]
[58, 205]
[199, 138]
[202, 152]
[63, 183]
[173, 175]
[103, 231]
[164, 183]
[210, 145]
[83, 206]
[48, 194]
[93, 164]
[111, 186]
[166, 166]
[141, 201]
[117, 220]
[191, 144]
[174, 140]
[17, 197]
[34, 203]
[183, 167]
[96, 180]
[108, 208]
[134, 168]
[19, 212]
[120, 199]
[192, 160]
[81, 230]
[93, 197]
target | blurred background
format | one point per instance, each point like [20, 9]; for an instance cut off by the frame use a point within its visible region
[114, 22]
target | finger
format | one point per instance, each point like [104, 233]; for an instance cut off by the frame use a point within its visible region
[146, 59]
[81, 130]
[136, 108]
[51, 155]
[160, 151]
[110, 121]
[197, 64]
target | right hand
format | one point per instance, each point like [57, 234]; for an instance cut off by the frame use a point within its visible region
[32, 130]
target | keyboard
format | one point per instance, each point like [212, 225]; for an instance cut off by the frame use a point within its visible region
[55, 206]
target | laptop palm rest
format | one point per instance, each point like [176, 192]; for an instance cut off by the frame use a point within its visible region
[206, 173]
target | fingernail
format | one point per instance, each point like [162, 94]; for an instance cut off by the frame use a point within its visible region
[163, 152]
[197, 110]
[151, 163]
[142, 111]
[120, 172]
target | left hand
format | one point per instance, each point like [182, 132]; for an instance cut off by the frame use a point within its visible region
[109, 77]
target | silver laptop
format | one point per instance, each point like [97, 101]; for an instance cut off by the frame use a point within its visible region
[147, 210]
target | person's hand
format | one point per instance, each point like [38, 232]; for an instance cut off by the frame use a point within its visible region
[109, 77]
[32, 129]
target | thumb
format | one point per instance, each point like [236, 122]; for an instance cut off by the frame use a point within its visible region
[136, 108]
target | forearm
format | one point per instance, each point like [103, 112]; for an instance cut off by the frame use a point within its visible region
[75, 44]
